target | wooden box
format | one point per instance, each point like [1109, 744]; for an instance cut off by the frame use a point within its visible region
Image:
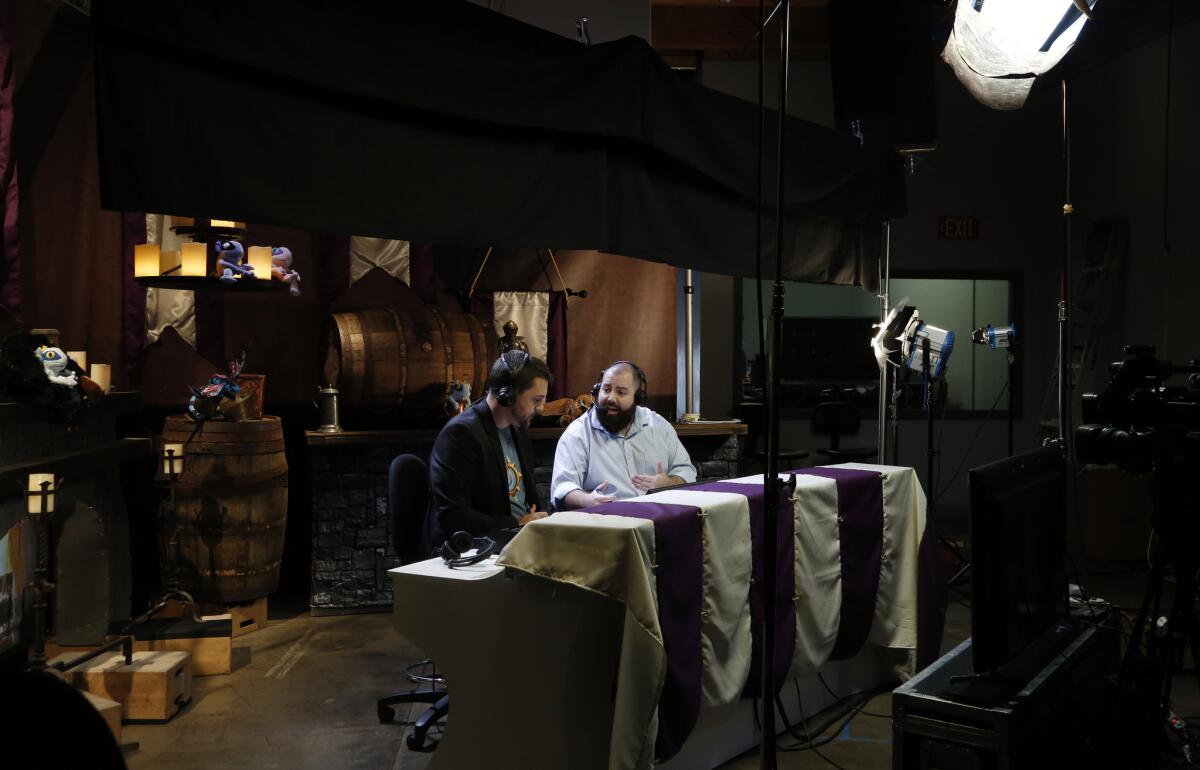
[154, 687]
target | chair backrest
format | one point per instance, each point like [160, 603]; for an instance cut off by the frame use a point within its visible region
[833, 418]
[409, 509]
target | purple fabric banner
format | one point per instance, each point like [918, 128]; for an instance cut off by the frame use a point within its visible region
[785, 586]
[860, 532]
[10, 251]
[679, 570]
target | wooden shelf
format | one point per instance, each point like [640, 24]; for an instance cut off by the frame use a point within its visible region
[77, 463]
[428, 435]
[192, 283]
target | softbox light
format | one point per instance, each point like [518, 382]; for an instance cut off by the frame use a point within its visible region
[998, 48]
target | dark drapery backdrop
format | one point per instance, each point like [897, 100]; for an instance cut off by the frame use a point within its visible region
[512, 136]
[10, 261]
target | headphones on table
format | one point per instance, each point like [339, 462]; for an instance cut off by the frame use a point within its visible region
[461, 542]
[639, 398]
[505, 395]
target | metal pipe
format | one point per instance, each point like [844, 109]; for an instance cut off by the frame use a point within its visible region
[884, 309]
[690, 412]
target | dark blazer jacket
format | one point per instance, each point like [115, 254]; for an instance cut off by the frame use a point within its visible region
[466, 469]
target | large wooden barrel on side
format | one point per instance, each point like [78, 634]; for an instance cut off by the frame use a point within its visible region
[401, 360]
[230, 507]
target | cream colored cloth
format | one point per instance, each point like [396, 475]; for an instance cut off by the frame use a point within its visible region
[395, 257]
[612, 556]
[530, 310]
[168, 307]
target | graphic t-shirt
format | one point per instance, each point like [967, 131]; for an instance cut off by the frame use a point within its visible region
[512, 472]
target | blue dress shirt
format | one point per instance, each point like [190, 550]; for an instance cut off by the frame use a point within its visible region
[587, 455]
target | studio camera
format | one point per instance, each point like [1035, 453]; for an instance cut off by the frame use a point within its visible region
[1138, 422]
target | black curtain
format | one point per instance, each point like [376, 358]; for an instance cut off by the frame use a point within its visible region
[448, 123]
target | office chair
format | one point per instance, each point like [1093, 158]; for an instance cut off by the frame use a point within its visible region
[833, 418]
[409, 502]
[755, 448]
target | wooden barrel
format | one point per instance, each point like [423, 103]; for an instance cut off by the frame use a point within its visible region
[401, 360]
[230, 507]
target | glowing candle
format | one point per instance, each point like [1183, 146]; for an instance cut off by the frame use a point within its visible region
[260, 259]
[102, 376]
[35, 492]
[79, 357]
[146, 259]
[195, 258]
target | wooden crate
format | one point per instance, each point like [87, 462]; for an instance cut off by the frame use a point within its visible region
[154, 687]
[110, 710]
[244, 618]
[210, 645]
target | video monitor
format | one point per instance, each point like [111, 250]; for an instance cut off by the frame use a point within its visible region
[1018, 554]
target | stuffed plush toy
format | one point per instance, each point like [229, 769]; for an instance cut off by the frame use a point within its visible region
[34, 372]
[458, 397]
[281, 269]
[230, 256]
[205, 403]
[57, 366]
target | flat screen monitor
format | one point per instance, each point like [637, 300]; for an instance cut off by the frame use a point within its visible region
[828, 349]
[1018, 552]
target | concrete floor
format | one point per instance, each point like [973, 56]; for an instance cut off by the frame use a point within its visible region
[303, 692]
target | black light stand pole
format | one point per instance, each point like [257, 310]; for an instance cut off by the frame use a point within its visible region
[1064, 302]
[929, 453]
[1012, 360]
[772, 486]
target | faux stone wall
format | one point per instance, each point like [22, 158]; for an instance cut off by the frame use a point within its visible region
[351, 536]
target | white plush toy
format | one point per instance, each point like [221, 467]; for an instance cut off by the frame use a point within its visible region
[56, 364]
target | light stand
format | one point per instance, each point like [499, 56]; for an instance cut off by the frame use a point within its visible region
[39, 497]
[771, 482]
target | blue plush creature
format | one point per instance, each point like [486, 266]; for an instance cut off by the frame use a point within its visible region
[204, 402]
[230, 258]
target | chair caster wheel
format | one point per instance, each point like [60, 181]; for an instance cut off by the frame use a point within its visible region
[386, 715]
[415, 743]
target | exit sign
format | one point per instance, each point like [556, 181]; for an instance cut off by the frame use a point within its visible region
[958, 228]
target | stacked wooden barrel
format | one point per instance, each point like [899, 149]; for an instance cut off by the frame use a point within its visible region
[400, 360]
[230, 507]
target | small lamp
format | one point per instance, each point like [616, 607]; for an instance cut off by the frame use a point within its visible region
[79, 357]
[259, 258]
[146, 260]
[40, 493]
[101, 374]
[172, 460]
[195, 259]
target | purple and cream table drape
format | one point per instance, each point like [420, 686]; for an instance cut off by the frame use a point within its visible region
[855, 561]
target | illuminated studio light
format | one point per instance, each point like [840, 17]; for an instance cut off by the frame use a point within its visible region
[998, 48]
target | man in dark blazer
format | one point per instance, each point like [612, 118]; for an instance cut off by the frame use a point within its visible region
[481, 469]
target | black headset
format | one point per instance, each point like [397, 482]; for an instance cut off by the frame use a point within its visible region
[505, 395]
[639, 398]
[461, 542]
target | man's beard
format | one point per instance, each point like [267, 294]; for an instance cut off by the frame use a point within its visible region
[615, 423]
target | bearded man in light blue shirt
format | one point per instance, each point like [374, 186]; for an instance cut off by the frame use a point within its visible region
[619, 449]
